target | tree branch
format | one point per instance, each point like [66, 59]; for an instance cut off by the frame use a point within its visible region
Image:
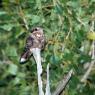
[85, 76]
[63, 83]
[37, 56]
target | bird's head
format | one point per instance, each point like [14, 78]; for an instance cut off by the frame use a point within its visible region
[38, 32]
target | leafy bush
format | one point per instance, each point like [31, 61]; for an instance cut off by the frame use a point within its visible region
[66, 24]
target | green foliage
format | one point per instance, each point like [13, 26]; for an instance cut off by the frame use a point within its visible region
[66, 24]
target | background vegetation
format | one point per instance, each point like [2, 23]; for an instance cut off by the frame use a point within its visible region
[66, 24]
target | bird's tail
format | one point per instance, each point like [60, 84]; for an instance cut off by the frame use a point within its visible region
[25, 56]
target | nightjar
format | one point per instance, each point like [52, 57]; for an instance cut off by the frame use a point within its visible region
[36, 39]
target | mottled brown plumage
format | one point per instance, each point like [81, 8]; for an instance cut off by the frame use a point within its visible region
[36, 39]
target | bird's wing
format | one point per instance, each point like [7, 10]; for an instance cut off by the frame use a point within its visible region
[27, 53]
[43, 42]
[29, 43]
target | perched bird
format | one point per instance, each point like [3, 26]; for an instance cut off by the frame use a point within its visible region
[36, 39]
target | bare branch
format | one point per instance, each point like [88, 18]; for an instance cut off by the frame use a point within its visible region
[85, 76]
[48, 83]
[37, 56]
[63, 83]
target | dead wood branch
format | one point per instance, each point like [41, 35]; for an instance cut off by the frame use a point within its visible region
[63, 83]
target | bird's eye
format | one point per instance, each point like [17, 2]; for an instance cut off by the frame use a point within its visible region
[35, 29]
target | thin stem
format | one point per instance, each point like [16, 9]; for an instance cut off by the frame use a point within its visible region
[23, 18]
[48, 83]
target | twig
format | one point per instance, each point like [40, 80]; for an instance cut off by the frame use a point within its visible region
[70, 30]
[63, 83]
[23, 18]
[48, 83]
[48, 6]
[81, 22]
[66, 38]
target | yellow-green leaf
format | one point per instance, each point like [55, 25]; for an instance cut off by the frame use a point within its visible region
[91, 35]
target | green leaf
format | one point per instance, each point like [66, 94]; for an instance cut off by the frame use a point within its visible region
[16, 81]
[2, 13]
[38, 4]
[58, 9]
[54, 59]
[7, 27]
[74, 4]
[35, 19]
[13, 69]
[91, 35]
[11, 51]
